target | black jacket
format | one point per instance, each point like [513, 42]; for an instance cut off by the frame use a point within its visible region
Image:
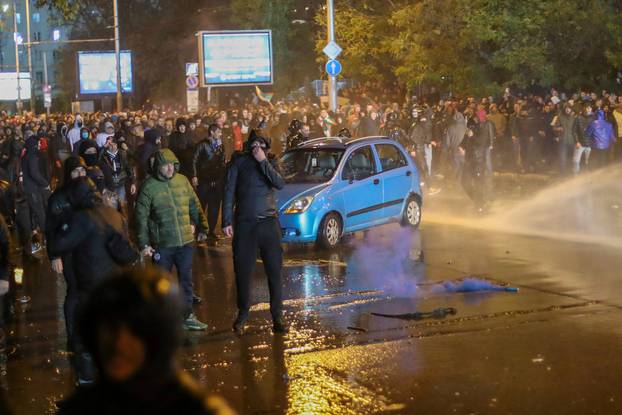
[251, 186]
[124, 175]
[181, 145]
[34, 176]
[89, 237]
[580, 125]
[208, 162]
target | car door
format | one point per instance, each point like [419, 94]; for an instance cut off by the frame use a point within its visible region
[362, 188]
[397, 177]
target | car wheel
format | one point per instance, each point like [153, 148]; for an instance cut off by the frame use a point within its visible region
[330, 231]
[412, 213]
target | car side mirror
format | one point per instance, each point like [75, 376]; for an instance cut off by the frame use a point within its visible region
[350, 176]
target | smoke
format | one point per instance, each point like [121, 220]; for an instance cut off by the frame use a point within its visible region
[468, 285]
[388, 259]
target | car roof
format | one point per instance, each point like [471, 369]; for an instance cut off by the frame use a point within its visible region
[340, 142]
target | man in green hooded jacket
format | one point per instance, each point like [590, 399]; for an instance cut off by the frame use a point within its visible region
[167, 214]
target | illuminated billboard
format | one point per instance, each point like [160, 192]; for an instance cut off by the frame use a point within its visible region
[235, 57]
[8, 86]
[97, 72]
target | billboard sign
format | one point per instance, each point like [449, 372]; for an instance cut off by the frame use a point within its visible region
[229, 58]
[97, 72]
[8, 86]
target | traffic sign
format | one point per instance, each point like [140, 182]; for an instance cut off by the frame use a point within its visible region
[332, 50]
[192, 81]
[333, 67]
[192, 69]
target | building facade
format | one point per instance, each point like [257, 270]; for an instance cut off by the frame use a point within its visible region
[42, 29]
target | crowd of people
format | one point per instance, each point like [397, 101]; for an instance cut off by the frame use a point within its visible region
[101, 191]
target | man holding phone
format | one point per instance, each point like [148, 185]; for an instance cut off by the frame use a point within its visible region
[251, 183]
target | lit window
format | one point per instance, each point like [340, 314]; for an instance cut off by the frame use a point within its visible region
[36, 17]
[18, 17]
[56, 35]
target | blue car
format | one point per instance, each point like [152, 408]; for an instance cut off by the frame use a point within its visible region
[338, 186]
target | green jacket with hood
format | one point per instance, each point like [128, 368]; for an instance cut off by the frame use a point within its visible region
[166, 209]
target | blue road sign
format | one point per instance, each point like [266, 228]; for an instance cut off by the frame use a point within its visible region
[333, 67]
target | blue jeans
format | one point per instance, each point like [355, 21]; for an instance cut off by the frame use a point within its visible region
[576, 157]
[181, 257]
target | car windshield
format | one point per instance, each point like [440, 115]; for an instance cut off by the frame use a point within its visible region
[310, 165]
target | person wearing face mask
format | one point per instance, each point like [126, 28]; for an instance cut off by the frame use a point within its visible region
[563, 125]
[85, 136]
[130, 325]
[75, 134]
[208, 164]
[95, 237]
[114, 163]
[59, 210]
[90, 155]
[583, 141]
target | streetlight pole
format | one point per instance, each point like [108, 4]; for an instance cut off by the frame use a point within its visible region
[18, 105]
[32, 84]
[117, 52]
[332, 80]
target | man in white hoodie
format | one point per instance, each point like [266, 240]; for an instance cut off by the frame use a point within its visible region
[74, 134]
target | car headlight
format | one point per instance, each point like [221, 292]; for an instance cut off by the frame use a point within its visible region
[299, 205]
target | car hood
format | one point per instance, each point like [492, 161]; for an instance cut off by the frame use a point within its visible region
[292, 190]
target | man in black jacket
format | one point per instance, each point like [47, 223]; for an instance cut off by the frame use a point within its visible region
[59, 212]
[208, 166]
[250, 184]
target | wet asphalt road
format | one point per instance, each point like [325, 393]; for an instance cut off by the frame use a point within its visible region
[552, 348]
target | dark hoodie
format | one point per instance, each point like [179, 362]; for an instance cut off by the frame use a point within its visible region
[35, 179]
[146, 151]
[87, 235]
[59, 209]
[90, 154]
[181, 144]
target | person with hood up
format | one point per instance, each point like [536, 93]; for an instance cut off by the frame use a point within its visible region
[454, 134]
[74, 135]
[130, 325]
[602, 136]
[102, 137]
[35, 180]
[181, 144]
[167, 214]
[420, 137]
[90, 154]
[250, 185]
[59, 211]
[95, 237]
[145, 152]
